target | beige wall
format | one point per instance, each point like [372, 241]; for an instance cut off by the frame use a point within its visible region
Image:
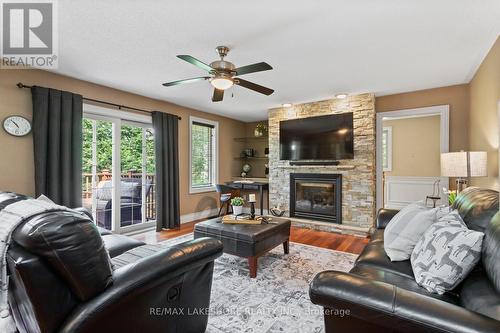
[483, 124]
[415, 154]
[16, 161]
[457, 97]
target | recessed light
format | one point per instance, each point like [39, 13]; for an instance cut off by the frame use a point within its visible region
[286, 105]
[341, 96]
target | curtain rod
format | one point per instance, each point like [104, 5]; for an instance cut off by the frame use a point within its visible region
[21, 85]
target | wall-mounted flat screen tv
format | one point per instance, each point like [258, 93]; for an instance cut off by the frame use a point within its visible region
[317, 138]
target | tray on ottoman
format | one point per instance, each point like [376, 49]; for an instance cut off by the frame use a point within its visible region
[247, 241]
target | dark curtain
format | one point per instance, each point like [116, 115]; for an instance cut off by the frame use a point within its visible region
[57, 142]
[167, 170]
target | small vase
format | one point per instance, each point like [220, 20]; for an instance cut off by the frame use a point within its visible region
[237, 210]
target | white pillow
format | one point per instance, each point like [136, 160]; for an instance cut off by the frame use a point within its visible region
[445, 254]
[44, 198]
[406, 227]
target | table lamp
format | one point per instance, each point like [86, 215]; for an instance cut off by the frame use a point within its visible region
[463, 165]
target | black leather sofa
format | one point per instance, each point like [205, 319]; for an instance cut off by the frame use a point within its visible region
[63, 278]
[378, 295]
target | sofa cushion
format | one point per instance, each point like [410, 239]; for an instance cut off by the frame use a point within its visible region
[491, 252]
[479, 295]
[445, 254]
[406, 228]
[374, 255]
[71, 244]
[477, 206]
[400, 281]
[117, 244]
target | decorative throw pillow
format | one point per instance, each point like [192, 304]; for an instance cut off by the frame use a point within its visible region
[445, 254]
[406, 228]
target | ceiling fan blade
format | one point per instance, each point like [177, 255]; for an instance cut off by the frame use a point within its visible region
[196, 62]
[254, 86]
[194, 79]
[218, 95]
[258, 67]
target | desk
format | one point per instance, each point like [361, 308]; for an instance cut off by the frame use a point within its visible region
[261, 186]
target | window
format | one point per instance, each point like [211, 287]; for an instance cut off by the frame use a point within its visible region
[387, 149]
[118, 169]
[203, 155]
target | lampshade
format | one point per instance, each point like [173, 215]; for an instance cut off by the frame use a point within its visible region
[464, 164]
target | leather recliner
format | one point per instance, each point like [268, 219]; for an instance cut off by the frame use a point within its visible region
[378, 295]
[63, 277]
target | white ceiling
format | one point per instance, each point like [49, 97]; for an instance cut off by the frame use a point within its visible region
[317, 48]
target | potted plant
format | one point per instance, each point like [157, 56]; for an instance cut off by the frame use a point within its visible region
[237, 204]
[260, 130]
[452, 195]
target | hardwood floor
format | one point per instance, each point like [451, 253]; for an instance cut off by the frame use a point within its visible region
[328, 240]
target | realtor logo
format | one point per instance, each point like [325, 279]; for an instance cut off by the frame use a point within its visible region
[29, 36]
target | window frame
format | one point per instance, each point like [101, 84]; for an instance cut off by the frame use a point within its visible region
[388, 130]
[215, 155]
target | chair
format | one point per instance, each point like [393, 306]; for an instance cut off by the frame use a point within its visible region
[226, 193]
[68, 276]
[130, 202]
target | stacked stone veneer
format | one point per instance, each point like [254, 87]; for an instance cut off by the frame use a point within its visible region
[358, 174]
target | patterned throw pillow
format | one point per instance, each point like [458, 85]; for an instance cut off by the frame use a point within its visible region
[445, 254]
[407, 227]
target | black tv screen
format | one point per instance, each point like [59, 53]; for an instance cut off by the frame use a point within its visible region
[317, 138]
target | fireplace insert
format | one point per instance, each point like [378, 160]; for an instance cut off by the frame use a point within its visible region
[316, 196]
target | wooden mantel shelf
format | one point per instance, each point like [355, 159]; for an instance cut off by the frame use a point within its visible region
[334, 167]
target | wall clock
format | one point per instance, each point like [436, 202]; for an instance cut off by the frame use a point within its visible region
[17, 125]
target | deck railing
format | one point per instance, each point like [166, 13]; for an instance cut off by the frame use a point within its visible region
[150, 203]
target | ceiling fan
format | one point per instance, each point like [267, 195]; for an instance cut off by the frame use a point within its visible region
[223, 74]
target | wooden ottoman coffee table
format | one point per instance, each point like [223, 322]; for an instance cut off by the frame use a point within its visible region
[247, 241]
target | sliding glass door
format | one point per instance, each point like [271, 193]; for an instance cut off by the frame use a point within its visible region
[118, 171]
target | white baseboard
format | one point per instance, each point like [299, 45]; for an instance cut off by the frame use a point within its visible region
[213, 212]
[199, 215]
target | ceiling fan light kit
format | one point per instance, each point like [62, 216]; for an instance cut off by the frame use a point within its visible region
[223, 74]
[221, 82]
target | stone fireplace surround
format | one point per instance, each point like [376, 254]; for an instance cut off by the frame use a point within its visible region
[358, 174]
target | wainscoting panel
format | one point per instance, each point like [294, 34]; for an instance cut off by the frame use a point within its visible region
[399, 191]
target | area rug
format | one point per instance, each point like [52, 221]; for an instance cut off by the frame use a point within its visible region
[278, 299]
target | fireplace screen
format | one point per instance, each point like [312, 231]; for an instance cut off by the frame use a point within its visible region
[316, 196]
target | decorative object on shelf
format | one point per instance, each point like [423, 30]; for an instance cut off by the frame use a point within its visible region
[277, 212]
[451, 194]
[237, 204]
[243, 174]
[463, 165]
[249, 152]
[266, 151]
[260, 130]
[246, 168]
[17, 125]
